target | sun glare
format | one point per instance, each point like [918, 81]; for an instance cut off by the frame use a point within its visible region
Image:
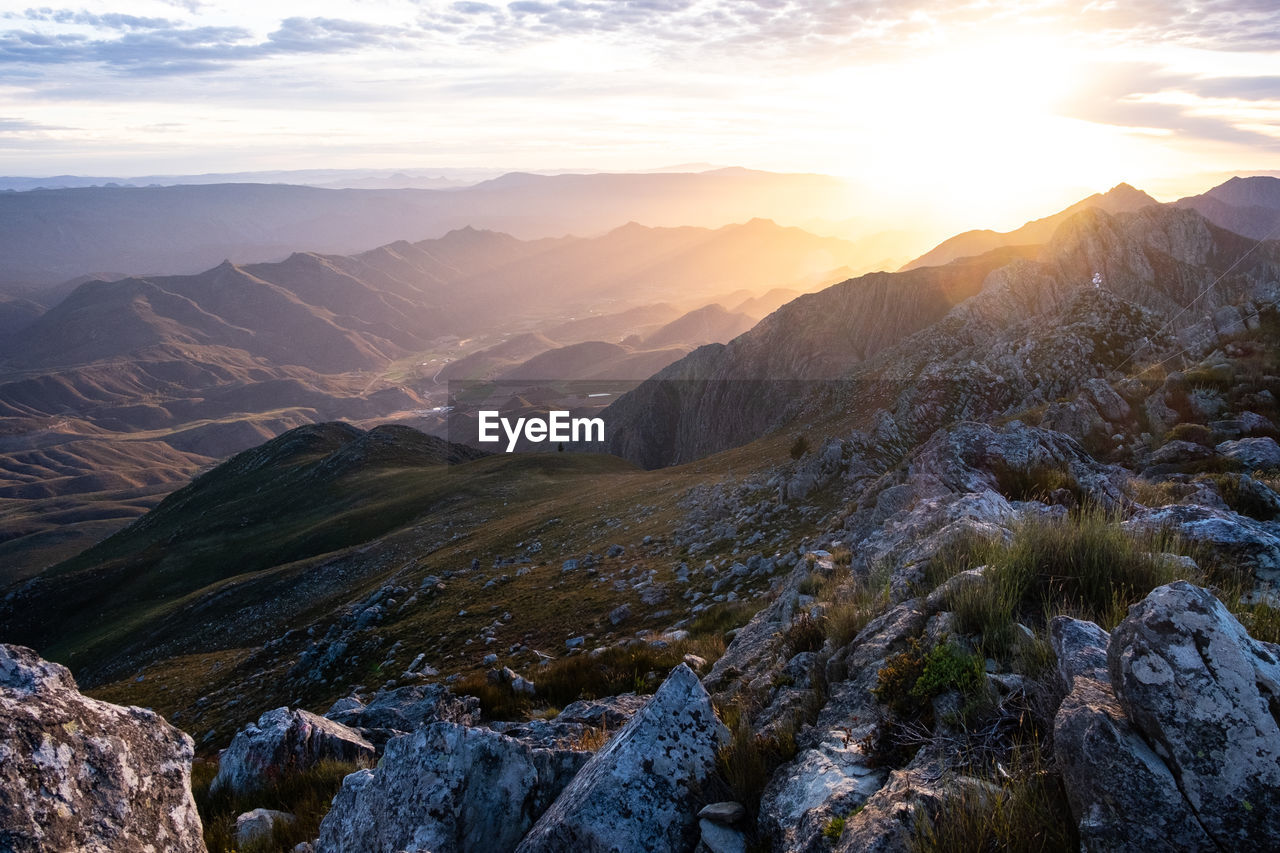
[975, 129]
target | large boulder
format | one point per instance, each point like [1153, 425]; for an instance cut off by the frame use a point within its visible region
[1122, 795]
[447, 788]
[79, 774]
[1205, 695]
[639, 791]
[284, 742]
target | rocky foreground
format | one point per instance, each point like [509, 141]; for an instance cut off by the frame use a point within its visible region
[1167, 737]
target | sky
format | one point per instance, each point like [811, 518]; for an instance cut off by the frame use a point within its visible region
[1000, 110]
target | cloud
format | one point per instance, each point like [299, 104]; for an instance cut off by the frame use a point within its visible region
[160, 47]
[1136, 95]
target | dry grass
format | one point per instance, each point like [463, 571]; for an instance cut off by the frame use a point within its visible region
[306, 795]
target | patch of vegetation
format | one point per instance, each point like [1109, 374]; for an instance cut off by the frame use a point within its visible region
[1024, 809]
[1239, 497]
[834, 828]
[749, 759]
[618, 669]
[306, 795]
[721, 618]
[806, 634]
[800, 447]
[1194, 433]
[1035, 483]
[1085, 565]
[910, 681]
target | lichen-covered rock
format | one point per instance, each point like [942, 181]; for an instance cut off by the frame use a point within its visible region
[1121, 794]
[283, 742]
[637, 792]
[79, 774]
[1253, 453]
[447, 788]
[1205, 695]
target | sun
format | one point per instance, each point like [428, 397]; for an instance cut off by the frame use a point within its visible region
[976, 129]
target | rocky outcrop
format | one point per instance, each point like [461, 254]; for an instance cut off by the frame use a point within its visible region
[447, 788]
[834, 774]
[284, 742]
[1206, 696]
[639, 791]
[1174, 744]
[79, 774]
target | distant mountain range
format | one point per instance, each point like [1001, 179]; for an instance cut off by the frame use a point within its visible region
[127, 387]
[49, 236]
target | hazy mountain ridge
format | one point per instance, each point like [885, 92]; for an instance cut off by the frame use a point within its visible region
[49, 236]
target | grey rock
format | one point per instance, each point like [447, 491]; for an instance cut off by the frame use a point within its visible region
[1179, 452]
[619, 614]
[718, 838]
[1252, 544]
[1204, 694]
[447, 788]
[258, 824]
[282, 742]
[1121, 794]
[406, 708]
[635, 793]
[80, 774]
[1253, 453]
[727, 812]
[612, 712]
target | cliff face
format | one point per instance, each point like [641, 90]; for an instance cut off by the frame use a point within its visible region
[882, 330]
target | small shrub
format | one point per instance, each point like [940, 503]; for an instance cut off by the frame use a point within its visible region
[800, 447]
[947, 667]
[806, 634]
[1194, 433]
[834, 829]
[896, 680]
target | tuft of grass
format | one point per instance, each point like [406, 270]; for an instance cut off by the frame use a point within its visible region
[749, 759]
[306, 795]
[1025, 808]
[1084, 564]
[834, 829]
[806, 634]
[1035, 483]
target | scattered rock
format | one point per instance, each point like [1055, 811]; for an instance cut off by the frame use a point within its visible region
[1255, 454]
